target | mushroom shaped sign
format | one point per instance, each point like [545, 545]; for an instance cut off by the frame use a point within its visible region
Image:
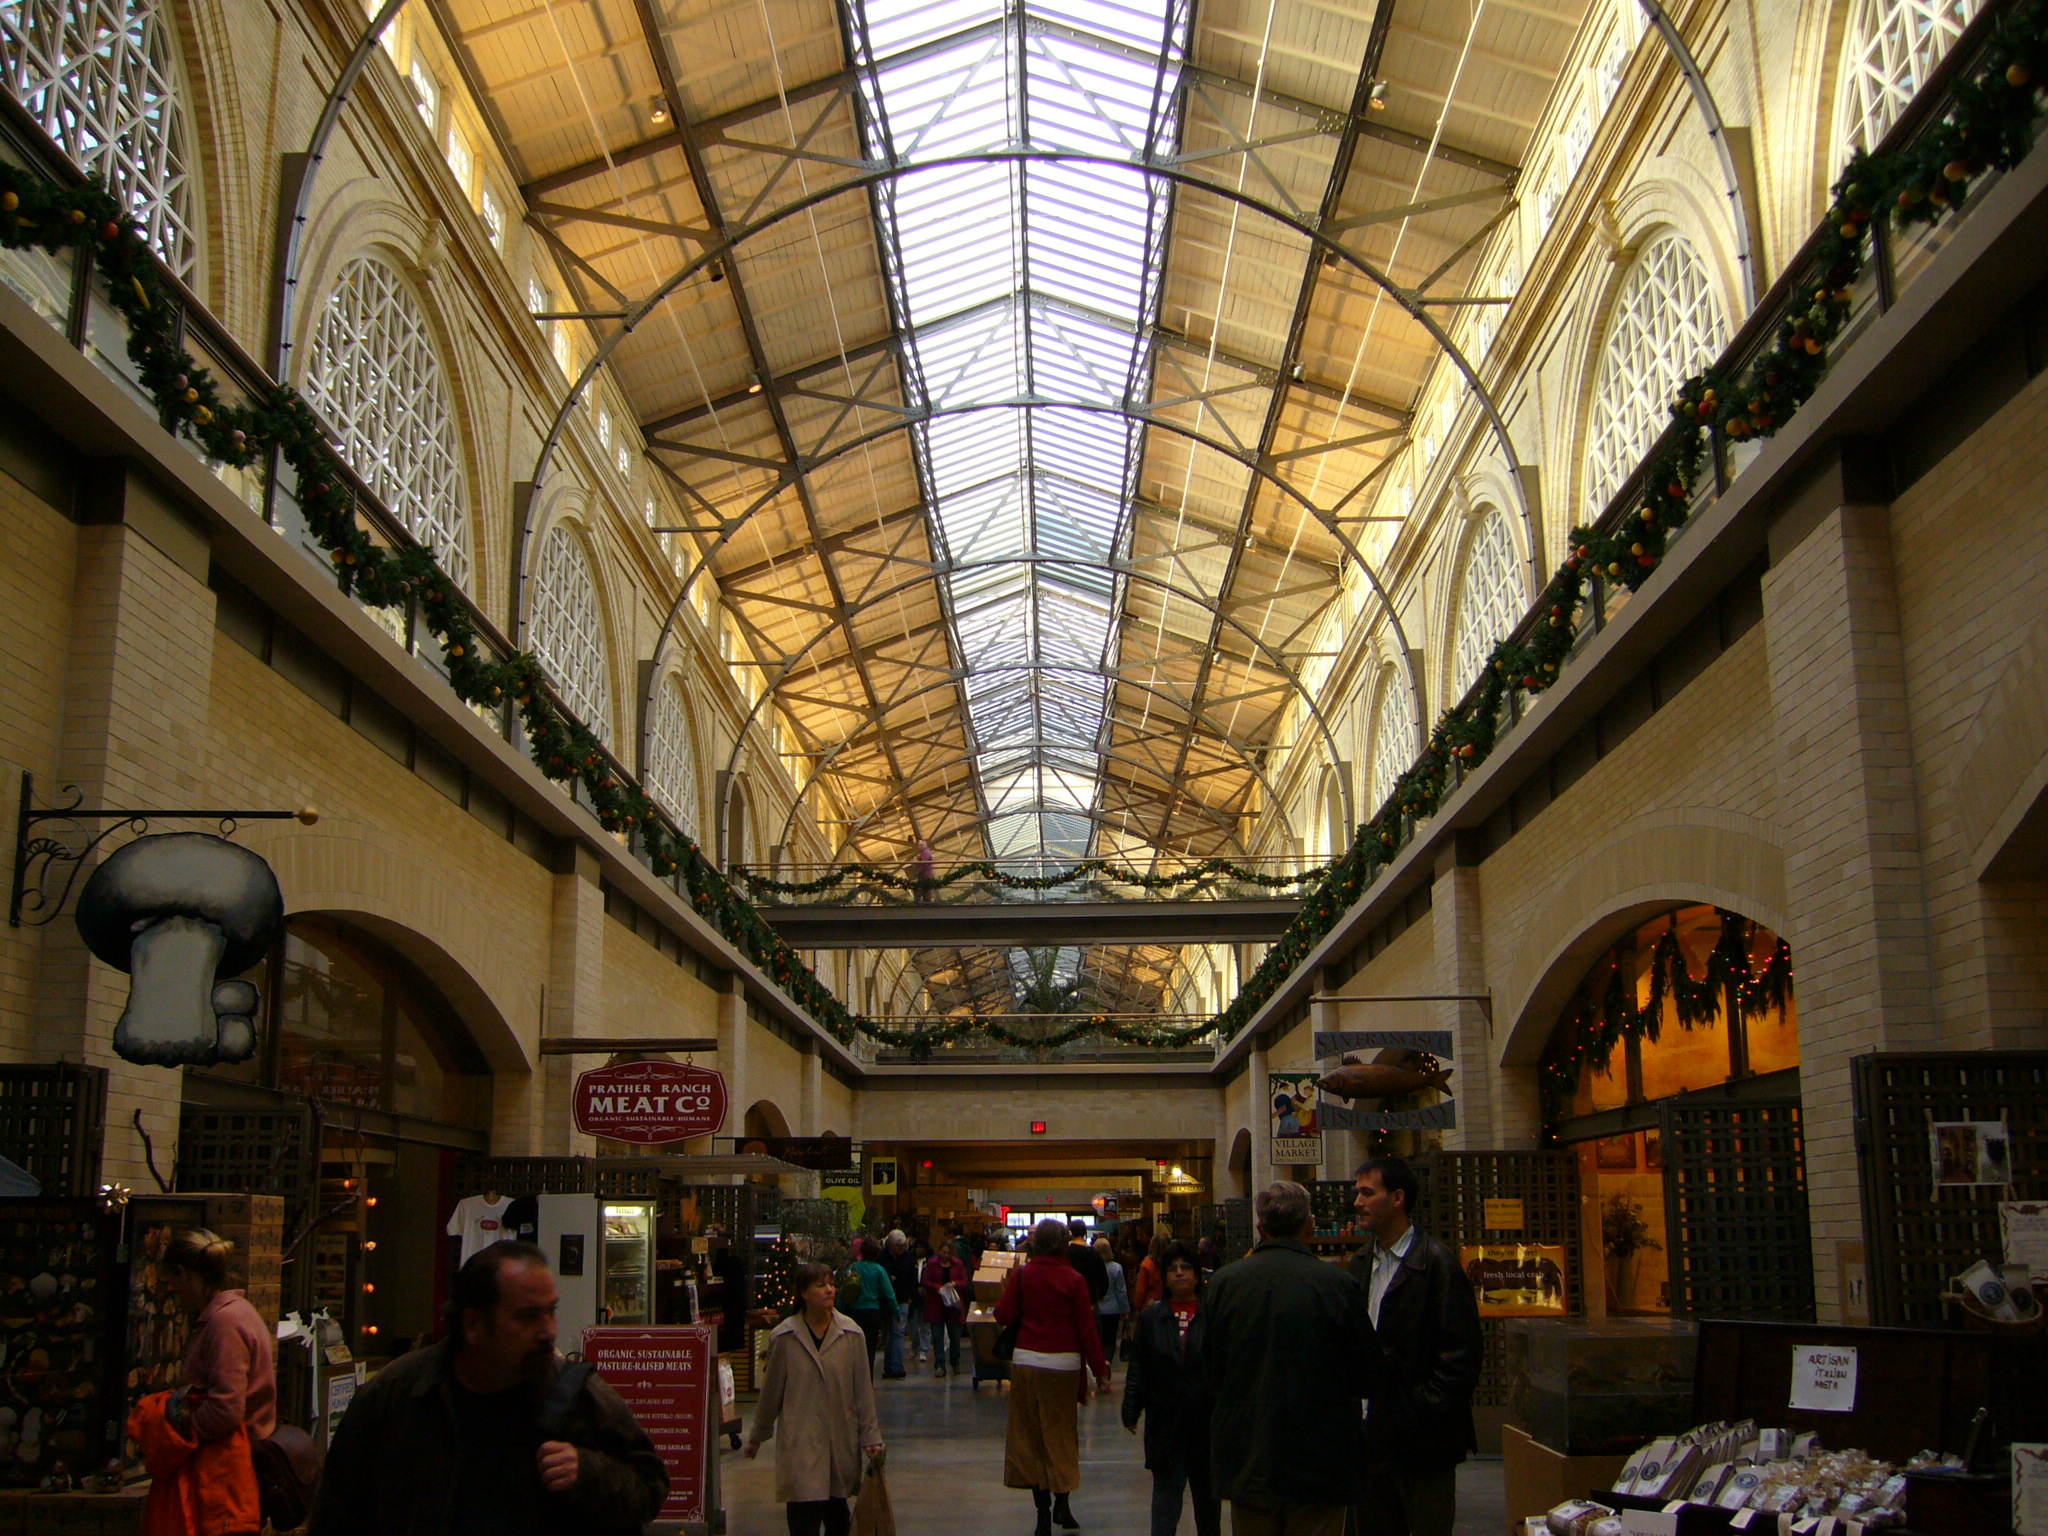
[649, 1102]
[182, 913]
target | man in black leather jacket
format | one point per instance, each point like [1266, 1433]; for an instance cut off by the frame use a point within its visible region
[1418, 1426]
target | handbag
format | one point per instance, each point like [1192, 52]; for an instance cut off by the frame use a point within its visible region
[287, 1467]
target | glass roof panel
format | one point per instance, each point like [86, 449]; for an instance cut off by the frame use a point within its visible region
[1028, 282]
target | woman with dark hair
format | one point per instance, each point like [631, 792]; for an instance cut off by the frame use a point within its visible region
[198, 1447]
[819, 1384]
[1048, 1303]
[870, 1294]
[946, 1287]
[1164, 1384]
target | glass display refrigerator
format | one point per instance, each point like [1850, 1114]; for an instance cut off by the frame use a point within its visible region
[628, 1262]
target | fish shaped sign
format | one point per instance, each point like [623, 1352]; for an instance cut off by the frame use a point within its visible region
[649, 1102]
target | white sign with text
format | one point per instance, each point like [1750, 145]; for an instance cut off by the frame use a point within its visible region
[1824, 1378]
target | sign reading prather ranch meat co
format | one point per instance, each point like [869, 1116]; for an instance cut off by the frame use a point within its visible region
[649, 1102]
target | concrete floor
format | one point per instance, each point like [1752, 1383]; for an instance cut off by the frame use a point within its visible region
[945, 1470]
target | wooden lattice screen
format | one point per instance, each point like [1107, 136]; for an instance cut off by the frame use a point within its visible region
[51, 1119]
[260, 1152]
[1918, 1237]
[1735, 1220]
[1455, 1189]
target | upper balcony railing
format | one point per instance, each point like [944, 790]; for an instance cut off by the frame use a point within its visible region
[1029, 882]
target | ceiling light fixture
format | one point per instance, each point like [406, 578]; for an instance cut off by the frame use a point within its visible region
[657, 110]
[753, 383]
[1376, 98]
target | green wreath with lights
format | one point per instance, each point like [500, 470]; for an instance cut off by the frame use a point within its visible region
[880, 875]
[1988, 128]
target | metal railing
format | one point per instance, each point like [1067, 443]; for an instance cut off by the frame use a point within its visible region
[966, 883]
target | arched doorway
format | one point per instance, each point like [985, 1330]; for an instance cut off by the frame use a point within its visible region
[1241, 1162]
[1673, 1075]
[369, 1085]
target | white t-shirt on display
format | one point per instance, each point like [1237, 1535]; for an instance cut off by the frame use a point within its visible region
[480, 1223]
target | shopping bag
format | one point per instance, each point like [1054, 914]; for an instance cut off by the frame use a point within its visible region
[872, 1514]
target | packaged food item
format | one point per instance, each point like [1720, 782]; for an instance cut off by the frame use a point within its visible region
[1772, 1444]
[1740, 1488]
[1574, 1517]
[1990, 1290]
[1707, 1486]
[1649, 1459]
[1671, 1479]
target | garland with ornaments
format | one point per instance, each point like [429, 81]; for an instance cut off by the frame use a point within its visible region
[1603, 1017]
[982, 869]
[1988, 127]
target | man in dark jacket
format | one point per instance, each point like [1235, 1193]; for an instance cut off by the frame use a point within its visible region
[471, 1435]
[1289, 1353]
[1088, 1264]
[1419, 1426]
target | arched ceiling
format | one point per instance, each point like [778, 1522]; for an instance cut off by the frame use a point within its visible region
[947, 394]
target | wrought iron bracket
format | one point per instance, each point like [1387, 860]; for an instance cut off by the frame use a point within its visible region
[39, 855]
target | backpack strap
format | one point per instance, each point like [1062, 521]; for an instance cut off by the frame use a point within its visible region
[569, 1385]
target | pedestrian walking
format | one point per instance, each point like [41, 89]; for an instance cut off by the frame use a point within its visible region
[1418, 1425]
[488, 1430]
[1086, 1261]
[869, 1295]
[1165, 1386]
[1049, 1306]
[819, 1388]
[196, 1439]
[946, 1285]
[920, 1250]
[1115, 1302]
[1290, 1356]
[924, 863]
[903, 1283]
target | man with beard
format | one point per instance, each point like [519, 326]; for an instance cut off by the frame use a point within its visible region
[488, 1431]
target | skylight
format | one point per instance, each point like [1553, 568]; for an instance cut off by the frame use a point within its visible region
[1025, 282]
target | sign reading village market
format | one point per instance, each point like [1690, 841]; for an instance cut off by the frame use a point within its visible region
[649, 1102]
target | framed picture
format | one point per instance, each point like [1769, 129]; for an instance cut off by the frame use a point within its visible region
[1615, 1154]
[1653, 1149]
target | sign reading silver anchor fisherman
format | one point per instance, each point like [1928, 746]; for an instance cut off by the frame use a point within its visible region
[1402, 1062]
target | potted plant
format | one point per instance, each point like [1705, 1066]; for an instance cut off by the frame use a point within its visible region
[1624, 1235]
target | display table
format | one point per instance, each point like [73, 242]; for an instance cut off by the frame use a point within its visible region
[73, 1514]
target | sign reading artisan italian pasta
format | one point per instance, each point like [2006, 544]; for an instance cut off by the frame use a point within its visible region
[649, 1102]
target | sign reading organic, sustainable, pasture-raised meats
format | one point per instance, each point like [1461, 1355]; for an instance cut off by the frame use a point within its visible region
[649, 1102]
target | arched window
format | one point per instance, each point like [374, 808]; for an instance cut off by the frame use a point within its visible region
[1490, 600]
[1667, 323]
[375, 380]
[1393, 736]
[568, 631]
[100, 77]
[1891, 46]
[672, 757]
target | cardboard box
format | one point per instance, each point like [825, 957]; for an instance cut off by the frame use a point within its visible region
[1538, 1478]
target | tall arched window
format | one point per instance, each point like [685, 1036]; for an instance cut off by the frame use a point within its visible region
[1393, 736]
[1490, 600]
[374, 378]
[101, 78]
[568, 631]
[1666, 324]
[1891, 46]
[672, 757]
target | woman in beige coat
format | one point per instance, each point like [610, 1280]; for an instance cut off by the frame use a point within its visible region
[818, 1384]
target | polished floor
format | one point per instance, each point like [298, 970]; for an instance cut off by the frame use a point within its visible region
[945, 1470]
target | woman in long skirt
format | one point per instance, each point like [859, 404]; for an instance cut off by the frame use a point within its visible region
[1057, 1335]
[820, 1387]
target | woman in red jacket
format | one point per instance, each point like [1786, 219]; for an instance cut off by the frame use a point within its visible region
[942, 1321]
[1056, 1334]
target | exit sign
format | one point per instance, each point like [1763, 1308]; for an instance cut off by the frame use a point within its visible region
[1038, 1127]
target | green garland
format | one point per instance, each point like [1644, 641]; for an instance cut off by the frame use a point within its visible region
[922, 1042]
[983, 869]
[1988, 127]
[1597, 1023]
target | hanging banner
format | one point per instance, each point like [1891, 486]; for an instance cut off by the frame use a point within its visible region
[1516, 1279]
[666, 1376]
[649, 1102]
[1296, 1126]
[1340, 1042]
[1438, 1117]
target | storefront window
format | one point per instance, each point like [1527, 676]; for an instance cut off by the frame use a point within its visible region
[1693, 1000]
[359, 1026]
